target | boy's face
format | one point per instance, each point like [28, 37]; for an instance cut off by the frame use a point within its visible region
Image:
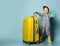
[45, 10]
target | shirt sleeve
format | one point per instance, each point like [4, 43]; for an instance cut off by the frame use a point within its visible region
[40, 14]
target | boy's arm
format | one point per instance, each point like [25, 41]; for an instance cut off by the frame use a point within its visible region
[40, 14]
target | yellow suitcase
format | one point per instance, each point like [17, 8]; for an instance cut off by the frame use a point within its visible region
[30, 30]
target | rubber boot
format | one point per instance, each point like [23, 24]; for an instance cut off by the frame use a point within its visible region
[49, 39]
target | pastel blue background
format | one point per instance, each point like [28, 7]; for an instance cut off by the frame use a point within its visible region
[12, 13]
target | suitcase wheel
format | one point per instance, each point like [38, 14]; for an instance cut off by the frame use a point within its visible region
[29, 43]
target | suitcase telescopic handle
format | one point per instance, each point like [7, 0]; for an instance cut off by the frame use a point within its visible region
[33, 28]
[34, 15]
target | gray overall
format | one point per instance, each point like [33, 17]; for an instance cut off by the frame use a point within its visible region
[45, 23]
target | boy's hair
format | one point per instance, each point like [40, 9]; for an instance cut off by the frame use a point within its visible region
[45, 7]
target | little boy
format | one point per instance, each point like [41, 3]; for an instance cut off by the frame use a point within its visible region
[45, 22]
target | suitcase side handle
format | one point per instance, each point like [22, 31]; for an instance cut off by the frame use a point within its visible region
[35, 30]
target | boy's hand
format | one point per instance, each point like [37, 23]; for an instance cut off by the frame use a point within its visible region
[35, 12]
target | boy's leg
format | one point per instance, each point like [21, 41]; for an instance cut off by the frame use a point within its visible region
[48, 33]
[42, 32]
